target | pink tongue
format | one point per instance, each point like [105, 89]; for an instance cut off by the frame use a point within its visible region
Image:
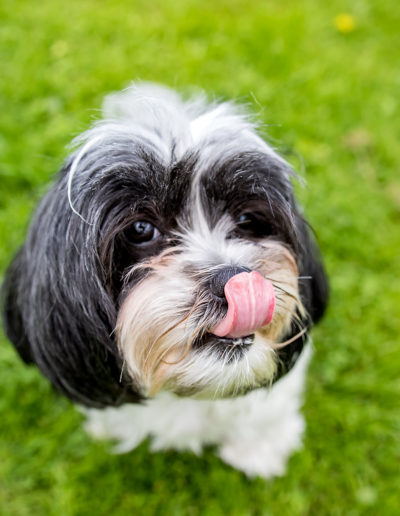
[251, 304]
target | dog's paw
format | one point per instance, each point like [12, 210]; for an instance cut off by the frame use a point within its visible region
[266, 457]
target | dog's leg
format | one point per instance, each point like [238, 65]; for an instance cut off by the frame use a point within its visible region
[268, 426]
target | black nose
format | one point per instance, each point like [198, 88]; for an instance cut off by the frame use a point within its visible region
[221, 277]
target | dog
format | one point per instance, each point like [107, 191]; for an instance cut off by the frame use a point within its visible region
[169, 281]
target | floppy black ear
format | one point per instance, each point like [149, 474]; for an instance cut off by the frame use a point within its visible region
[11, 314]
[314, 289]
[56, 311]
[314, 292]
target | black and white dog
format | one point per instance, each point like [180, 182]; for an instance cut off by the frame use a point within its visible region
[168, 282]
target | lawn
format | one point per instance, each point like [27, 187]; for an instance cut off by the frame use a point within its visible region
[326, 87]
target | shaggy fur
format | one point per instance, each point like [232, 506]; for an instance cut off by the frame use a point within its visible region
[119, 283]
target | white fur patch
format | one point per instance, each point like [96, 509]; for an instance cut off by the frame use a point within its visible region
[255, 433]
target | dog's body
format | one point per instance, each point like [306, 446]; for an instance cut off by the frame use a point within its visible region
[256, 432]
[170, 257]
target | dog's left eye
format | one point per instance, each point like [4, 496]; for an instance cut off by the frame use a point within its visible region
[142, 232]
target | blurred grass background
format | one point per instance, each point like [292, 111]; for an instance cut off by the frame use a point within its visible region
[324, 79]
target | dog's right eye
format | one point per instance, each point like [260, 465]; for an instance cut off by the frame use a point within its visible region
[142, 232]
[253, 225]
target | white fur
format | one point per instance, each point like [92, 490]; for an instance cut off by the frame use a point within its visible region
[184, 124]
[255, 433]
[157, 117]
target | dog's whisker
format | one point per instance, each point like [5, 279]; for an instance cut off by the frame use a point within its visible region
[190, 341]
[122, 371]
[289, 341]
[159, 337]
[182, 320]
[293, 296]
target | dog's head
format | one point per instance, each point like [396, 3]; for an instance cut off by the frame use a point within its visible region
[169, 254]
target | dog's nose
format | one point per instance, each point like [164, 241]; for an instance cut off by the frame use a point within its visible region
[221, 278]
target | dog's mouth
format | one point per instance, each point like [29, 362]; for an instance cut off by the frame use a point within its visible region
[225, 348]
[249, 300]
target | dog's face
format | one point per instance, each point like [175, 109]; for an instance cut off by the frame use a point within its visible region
[210, 225]
[170, 254]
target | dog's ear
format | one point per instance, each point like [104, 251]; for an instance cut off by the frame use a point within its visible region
[11, 314]
[56, 310]
[314, 289]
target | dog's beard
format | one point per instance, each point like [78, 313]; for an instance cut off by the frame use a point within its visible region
[164, 325]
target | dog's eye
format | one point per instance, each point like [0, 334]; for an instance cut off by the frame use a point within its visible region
[249, 224]
[142, 232]
[246, 219]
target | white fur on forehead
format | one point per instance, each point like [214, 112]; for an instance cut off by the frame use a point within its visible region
[151, 116]
[184, 124]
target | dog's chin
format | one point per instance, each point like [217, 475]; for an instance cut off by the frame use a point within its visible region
[227, 349]
[215, 367]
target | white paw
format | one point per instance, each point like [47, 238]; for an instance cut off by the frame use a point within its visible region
[266, 457]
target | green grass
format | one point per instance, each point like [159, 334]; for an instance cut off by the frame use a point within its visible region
[330, 103]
